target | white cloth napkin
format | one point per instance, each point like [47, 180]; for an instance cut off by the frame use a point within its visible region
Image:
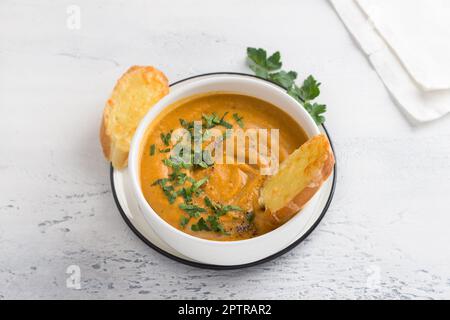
[408, 44]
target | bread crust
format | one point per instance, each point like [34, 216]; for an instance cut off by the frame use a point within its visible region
[105, 139]
[322, 166]
[302, 198]
[112, 152]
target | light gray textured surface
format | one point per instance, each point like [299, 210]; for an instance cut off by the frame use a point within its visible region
[386, 234]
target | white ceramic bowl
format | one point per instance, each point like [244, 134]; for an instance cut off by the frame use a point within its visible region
[222, 252]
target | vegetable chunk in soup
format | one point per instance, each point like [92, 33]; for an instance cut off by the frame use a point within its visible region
[198, 191]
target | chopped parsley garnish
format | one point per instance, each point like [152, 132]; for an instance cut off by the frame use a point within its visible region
[216, 226]
[161, 181]
[176, 163]
[184, 221]
[238, 120]
[212, 120]
[250, 216]
[196, 185]
[165, 138]
[186, 193]
[175, 184]
[209, 203]
[192, 210]
[168, 190]
[204, 159]
[194, 190]
[186, 124]
[269, 68]
[212, 222]
[200, 225]
[178, 177]
[152, 149]
[219, 209]
[225, 124]
[227, 208]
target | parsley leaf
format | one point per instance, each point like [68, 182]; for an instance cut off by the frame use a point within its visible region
[210, 204]
[186, 124]
[257, 61]
[168, 190]
[196, 185]
[184, 221]
[192, 210]
[178, 177]
[274, 61]
[152, 149]
[316, 110]
[231, 208]
[250, 216]
[268, 68]
[225, 124]
[186, 193]
[219, 209]
[176, 163]
[211, 120]
[310, 89]
[193, 190]
[161, 181]
[166, 138]
[238, 120]
[215, 224]
[201, 225]
[260, 64]
[257, 56]
[283, 78]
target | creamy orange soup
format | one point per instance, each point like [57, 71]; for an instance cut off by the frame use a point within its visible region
[218, 201]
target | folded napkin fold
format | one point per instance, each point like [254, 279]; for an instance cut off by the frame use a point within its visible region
[408, 44]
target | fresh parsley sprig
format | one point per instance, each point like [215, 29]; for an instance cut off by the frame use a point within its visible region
[261, 64]
[269, 68]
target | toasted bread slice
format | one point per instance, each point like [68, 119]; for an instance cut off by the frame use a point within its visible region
[298, 179]
[134, 94]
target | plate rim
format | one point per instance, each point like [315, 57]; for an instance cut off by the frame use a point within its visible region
[227, 267]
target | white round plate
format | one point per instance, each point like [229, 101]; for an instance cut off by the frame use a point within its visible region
[133, 216]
